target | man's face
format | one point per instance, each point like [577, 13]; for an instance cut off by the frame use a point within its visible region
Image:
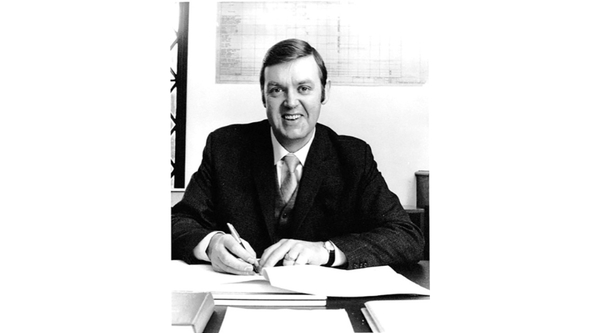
[293, 100]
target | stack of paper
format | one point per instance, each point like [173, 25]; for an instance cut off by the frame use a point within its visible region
[285, 320]
[398, 315]
[261, 293]
[239, 290]
[305, 285]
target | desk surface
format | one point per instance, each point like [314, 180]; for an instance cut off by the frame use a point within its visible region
[418, 273]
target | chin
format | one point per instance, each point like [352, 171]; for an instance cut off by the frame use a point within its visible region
[295, 134]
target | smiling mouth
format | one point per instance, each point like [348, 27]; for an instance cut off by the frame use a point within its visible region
[291, 117]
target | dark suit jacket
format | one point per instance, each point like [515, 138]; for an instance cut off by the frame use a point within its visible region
[342, 197]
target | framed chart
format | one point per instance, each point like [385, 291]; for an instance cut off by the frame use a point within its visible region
[360, 45]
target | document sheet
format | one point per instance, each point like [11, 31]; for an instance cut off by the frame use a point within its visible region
[327, 281]
[285, 320]
[202, 278]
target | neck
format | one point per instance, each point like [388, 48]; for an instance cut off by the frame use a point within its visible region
[293, 146]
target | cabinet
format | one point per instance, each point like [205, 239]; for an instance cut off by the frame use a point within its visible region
[423, 203]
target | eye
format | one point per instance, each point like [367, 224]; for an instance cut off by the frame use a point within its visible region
[274, 91]
[304, 89]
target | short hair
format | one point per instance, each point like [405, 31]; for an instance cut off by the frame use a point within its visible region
[286, 51]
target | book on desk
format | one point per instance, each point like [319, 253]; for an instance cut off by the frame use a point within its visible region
[190, 311]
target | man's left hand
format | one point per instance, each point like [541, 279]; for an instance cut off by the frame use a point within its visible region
[294, 252]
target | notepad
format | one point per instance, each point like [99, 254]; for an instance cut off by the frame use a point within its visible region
[285, 320]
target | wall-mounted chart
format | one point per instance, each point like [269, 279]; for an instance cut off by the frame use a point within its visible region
[361, 45]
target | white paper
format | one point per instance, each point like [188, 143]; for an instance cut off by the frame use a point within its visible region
[307, 279]
[202, 278]
[327, 281]
[285, 320]
[399, 315]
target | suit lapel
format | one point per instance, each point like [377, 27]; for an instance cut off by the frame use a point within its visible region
[312, 176]
[264, 173]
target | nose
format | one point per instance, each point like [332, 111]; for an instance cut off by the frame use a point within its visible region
[291, 100]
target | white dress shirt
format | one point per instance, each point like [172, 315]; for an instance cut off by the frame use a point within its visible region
[279, 152]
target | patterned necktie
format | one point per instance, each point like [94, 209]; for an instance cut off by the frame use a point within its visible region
[290, 179]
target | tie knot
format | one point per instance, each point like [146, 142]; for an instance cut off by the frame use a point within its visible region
[291, 161]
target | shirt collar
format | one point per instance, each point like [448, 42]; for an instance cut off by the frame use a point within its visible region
[279, 152]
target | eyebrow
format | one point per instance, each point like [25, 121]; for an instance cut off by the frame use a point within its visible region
[307, 81]
[276, 84]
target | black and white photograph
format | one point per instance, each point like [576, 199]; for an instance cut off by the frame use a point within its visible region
[301, 147]
[264, 166]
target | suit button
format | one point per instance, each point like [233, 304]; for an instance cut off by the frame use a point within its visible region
[284, 215]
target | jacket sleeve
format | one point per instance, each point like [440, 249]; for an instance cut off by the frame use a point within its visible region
[193, 218]
[383, 233]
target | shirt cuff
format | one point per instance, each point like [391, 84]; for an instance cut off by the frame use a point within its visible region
[340, 257]
[200, 249]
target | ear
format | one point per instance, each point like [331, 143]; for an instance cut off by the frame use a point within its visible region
[325, 92]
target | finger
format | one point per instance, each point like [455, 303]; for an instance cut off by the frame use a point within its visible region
[250, 250]
[280, 253]
[291, 256]
[217, 266]
[267, 252]
[228, 262]
[303, 258]
[215, 254]
[276, 252]
[288, 259]
[294, 251]
[239, 251]
[231, 264]
[221, 267]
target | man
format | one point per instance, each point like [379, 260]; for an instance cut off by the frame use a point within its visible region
[297, 192]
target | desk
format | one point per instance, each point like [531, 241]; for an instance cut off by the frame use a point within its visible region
[418, 273]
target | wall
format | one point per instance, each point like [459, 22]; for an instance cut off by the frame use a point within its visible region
[392, 119]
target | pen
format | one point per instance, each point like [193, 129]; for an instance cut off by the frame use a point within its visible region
[237, 238]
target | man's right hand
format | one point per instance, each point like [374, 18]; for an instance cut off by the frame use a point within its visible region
[228, 256]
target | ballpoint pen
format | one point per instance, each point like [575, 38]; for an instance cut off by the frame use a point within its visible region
[237, 238]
